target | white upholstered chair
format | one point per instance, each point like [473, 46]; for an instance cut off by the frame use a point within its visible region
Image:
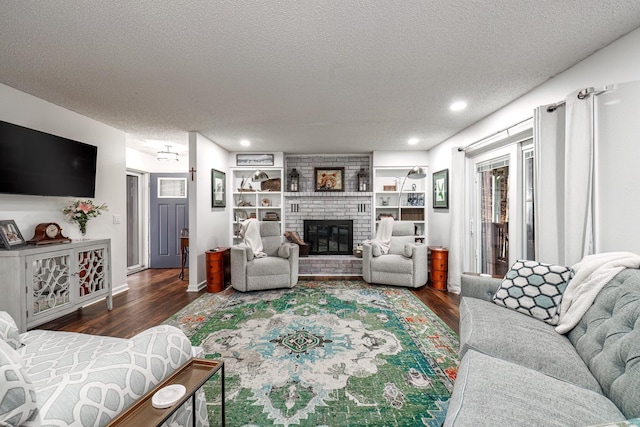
[406, 264]
[279, 269]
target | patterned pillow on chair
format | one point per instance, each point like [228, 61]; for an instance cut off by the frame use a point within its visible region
[534, 288]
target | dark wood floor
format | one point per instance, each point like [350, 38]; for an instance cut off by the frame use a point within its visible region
[156, 294]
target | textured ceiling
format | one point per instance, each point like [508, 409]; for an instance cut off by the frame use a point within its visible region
[302, 76]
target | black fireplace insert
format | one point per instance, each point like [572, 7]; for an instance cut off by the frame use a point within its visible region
[329, 237]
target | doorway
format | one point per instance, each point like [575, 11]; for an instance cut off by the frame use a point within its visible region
[169, 215]
[136, 224]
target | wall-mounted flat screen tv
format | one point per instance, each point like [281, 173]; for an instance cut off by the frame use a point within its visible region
[38, 163]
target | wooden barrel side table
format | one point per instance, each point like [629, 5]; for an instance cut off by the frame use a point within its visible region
[438, 271]
[218, 268]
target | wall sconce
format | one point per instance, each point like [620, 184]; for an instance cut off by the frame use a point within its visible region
[167, 156]
[294, 180]
[363, 180]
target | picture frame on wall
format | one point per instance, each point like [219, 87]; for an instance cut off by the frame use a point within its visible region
[218, 189]
[10, 236]
[441, 189]
[251, 159]
[329, 179]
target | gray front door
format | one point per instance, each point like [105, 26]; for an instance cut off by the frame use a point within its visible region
[169, 214]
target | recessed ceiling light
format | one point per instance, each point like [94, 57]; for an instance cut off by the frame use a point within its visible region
[245, 142]
[458, 106]
[413, 141]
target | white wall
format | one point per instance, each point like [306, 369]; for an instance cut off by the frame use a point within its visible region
[28, 211]
[400, 158]
[617, 175]
[208, 227]
[617, 63]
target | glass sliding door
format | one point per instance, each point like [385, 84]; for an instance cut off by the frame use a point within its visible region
[529, 205]
[493, 182]
[502, 208]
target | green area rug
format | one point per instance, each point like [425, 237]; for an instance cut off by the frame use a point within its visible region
[330, 353]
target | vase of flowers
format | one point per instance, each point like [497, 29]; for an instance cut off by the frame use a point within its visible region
[81, 211]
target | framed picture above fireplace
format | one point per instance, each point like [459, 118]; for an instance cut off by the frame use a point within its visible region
[329, 179]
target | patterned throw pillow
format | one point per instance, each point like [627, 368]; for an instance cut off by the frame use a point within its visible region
[9, 331]
[17, 393]
[534, 288]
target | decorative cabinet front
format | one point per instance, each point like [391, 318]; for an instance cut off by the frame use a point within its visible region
[57, 280]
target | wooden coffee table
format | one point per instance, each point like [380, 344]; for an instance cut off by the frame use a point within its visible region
[192, 375]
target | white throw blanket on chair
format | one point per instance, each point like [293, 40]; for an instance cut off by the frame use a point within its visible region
[380, 245]
[591, 274]
[250, 233]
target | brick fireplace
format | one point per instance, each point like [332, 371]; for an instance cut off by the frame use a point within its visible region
[329, 237]
[348, 205]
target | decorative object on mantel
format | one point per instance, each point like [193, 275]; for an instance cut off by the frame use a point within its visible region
[294, 180]
[10, 236]
[389, 187]
[46, 233]
[81, 211]
[363, 180]
[329, 179]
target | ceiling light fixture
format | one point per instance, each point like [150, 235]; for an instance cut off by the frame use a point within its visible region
[167, 156]
[458, 106]
[245, 142]
[413, 141]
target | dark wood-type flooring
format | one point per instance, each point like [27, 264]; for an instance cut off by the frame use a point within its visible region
[156, 294]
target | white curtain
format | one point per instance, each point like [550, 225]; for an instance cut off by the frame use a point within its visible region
[578, 179]
[548, 140]
[564, 159]
[457, 248]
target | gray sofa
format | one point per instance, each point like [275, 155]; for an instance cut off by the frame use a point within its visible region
[517, 371]
[53, 378]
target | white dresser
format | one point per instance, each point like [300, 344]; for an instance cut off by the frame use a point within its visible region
[41, 283]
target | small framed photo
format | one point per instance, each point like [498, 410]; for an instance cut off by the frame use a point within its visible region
[329, 179]
[441, 189]
[218, 187]
[254, 159]
[10, 236]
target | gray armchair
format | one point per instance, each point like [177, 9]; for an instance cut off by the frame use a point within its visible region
[406, 264]
[279, 269]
